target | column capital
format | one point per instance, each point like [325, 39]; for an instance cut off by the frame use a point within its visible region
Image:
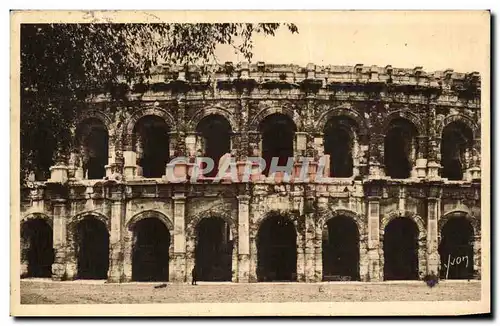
[243, 199]
[179, 197]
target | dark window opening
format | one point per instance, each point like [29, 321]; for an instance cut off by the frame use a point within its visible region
[401, 250]
[214, 249]
[338, 144]
[152, 141]
[456, 249]
[93, 249]
[277, 250]
[37, 248]
[278, 133]
[456, 139]
[92, 135]
[341, 250]
[216, 133]
[398, 146]
[150, 255]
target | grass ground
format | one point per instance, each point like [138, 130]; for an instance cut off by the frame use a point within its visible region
[35, 291]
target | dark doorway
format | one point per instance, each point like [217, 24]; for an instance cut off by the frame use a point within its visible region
[401, 250]
[152, 140]
[38, 249]
[93, 249]
[398, 146]
[150, 255]
[341, 250]
[92, 135]
[278, 132]
[456, 139]
[214, 249]
[216, 133]
[277, 250]
[456, 249]
[338, 144]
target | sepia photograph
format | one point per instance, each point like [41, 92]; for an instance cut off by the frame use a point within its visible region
[250, 163]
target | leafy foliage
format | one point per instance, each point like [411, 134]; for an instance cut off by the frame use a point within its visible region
[62, 63]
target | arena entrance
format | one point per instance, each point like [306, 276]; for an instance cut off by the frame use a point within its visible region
[37, 248]
[456, 249]
[150, 256]
[401, 250]
[277, 250]
[214, 249]
[93, 249]
[340, 250]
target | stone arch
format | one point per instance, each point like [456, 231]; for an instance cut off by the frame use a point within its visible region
[211, 213]
[214, 110]
[37, 215]
[294, 216]
[421, 249]
[264, 268]
[150, 214]
[99, 115]
[407, 115]
[140, 113]
[264, 113]
[460, 212]
[323, 118]
[81, 216]
[419, 221]
[334, 212]
[458, 117]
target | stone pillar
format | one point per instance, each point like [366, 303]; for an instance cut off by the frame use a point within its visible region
[433, 147]
[310, 241]
[301, 261]
[115, 244]
[128, 245]
[421, 161]
[252, 277]
[243, 239]
[477, 256]
[375, 270]
[376, 155]
[364, 258]
[178, 262]
[59, 241]
[130, 168]
[433, 212]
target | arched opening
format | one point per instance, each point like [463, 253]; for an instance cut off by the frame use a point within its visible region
[150, 256]
[93, 249]
[456, 249]
[277, 250]
[215, 140]
[92, 139]
[278, 133]
[214, 249]
[400, 148]
[339, 144]
[456, 144]
[340, 249]
[401, 250]
[41, 141]
[37, 248]
[152, 139]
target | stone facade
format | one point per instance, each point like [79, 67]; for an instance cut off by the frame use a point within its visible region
[372, 99]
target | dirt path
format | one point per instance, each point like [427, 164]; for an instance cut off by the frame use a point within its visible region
[48, 292]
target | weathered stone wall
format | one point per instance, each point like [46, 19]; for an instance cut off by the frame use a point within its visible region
[371, 97]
